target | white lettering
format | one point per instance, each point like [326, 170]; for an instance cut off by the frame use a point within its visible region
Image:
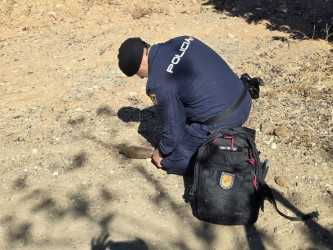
[176, 58]
[189, 40]
[169, 69]
[184, 46]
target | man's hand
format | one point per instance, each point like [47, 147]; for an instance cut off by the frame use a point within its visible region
[156, 158]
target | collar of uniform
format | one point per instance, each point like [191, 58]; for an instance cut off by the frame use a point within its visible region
[151, 57]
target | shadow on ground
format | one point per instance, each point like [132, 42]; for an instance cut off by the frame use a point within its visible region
[78, 206]
[303, 19]
[104, 243]
[203, 231]
[317, 234]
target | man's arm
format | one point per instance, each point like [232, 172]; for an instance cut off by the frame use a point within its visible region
[174, 119]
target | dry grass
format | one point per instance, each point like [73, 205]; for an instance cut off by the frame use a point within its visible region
[138, 12]
[139, 9]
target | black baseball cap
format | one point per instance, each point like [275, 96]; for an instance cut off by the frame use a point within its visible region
[130, 55]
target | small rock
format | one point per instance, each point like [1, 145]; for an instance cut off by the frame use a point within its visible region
[55, 174]
[231, 36]
[79, 160]
[273, 145]
[266, 128]
[76, 118]
[281, 181]
[275, 229]
[20, 183]
[282, 132]
[329, 189]
[59, 6]
[330, 193]
[34, 151]
[105, 110]
[52, 14]
[139, 12]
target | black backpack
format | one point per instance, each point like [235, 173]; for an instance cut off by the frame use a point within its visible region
[228, 183]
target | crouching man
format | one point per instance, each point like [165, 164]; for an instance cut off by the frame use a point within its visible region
[195, 91]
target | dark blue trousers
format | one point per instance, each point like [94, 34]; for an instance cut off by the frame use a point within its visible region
[180, 160]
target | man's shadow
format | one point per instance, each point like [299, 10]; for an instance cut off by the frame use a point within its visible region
[150, 122]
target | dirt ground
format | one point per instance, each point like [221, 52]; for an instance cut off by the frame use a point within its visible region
[65, 106]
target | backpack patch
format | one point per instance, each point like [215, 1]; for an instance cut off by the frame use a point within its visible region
[227, 180]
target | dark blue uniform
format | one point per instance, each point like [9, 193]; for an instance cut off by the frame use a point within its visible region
[191, 83]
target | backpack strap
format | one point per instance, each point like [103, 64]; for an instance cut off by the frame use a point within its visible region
[219, 118]
[266, 193]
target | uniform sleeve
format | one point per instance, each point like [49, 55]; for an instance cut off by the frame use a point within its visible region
[174, 119]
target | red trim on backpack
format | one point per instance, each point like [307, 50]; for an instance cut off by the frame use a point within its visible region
[254, 182]
[252, 161]
[232, 141]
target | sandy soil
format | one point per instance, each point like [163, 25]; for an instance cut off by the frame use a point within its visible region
[65, 107]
